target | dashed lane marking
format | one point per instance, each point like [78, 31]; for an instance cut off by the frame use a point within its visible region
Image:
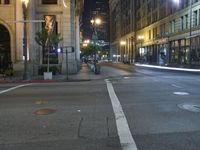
[174, 85]
[126, 139]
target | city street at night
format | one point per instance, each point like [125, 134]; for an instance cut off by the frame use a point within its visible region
[99, 74]
[161, 109]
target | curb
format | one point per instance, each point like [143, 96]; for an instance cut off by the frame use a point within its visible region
[42, 81]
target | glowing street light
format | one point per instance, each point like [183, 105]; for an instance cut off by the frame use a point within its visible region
[24, 7]
[176, 1]
[87, 41]
[140, 37]
[122, 43]
[85, 44]
[96, 21]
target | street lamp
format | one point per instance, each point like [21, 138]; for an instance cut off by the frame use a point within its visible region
[141, 38]
[24, 7]
[140, 51]
[122, 44]
[95, 22]
[190, 32]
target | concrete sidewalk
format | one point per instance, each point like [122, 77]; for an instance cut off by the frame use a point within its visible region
[83, 75]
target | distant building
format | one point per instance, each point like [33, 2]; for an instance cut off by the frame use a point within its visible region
[66, 16]
[101, 10]
[166, 32]
[122, 30]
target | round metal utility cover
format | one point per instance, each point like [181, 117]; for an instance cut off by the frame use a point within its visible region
[181, 93]
[45, 111]
[190, 107]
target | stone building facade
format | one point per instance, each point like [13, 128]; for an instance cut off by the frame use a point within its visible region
[122, 30]
[67, 16]
[166, 32]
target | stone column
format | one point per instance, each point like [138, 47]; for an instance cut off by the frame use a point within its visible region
[19, 31]
[66, 30]
[77, 39]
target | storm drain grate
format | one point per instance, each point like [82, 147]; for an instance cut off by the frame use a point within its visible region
[190, 107]
[45, 111]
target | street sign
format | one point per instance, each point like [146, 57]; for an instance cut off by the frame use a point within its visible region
[68, 49]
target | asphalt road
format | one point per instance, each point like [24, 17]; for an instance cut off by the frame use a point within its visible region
[158, 118]
[80, 118]
[79, 115]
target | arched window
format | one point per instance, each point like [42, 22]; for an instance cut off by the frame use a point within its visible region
[5, 53]
[6, 1]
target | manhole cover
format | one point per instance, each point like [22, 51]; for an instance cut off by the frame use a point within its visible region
[181, 93]
[190, 107]
[45, 111]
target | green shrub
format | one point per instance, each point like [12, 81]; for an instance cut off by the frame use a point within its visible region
[9, 72]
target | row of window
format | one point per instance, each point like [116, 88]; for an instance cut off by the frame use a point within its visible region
[6, 2]
[176, 25]
[183, 22]
[147, 14]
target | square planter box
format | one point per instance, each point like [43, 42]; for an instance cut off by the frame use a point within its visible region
[47, 75]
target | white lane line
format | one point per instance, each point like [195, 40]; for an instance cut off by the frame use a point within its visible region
[174, 85]
[124, 133]
[13, 88]
[168, 68]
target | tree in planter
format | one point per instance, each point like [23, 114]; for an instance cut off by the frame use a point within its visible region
[48, 40]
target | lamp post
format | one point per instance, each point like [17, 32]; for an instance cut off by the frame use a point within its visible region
[95, 23]
[24, 7]
[122, 44]
[190, 32]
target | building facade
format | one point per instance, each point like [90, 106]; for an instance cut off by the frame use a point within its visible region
[166, 32]
[101, 10]
[122, 30]
[66, 15]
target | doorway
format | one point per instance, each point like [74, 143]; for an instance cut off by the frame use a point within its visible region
[5, 51]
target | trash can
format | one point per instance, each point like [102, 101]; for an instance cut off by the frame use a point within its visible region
[97, 69]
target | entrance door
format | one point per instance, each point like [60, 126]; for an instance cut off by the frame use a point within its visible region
[5, 54]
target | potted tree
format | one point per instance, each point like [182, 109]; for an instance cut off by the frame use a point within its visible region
[47, 41]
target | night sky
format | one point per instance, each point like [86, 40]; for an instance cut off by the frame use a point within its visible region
[89, 4]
